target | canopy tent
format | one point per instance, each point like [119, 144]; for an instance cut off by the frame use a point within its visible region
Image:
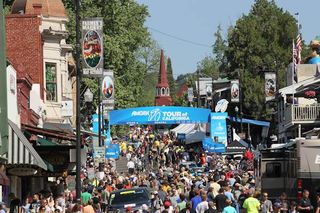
[195, 136]
[188, 128]
[237, 147]
[183, 129]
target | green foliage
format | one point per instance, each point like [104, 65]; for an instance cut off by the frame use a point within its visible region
[208, 67]
[219, 49]
[171, 80]
[149, 58]
[181, 101]
[260, 41]
[7, 6]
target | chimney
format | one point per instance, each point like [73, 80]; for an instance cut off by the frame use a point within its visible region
[37, 8]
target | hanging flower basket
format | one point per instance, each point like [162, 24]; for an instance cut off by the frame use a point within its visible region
[310, 94]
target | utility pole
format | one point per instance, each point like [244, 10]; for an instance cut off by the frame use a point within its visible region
[99, 112]
[78, 77]
[241, 99]
[3, 86]
[198, 76]
[212, 95]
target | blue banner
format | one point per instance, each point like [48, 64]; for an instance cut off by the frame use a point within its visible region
[219, 127]
[213, 147]
[159, 115]
[95, 128]
[113, 151]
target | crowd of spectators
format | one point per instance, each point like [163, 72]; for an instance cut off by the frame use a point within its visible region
[157, 161]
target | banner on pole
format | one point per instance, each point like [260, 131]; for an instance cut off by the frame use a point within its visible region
[270, 85]
[235, 91]
[209, 91]
[107, 89]
[92, 47]
[190, 94]
[219, 127]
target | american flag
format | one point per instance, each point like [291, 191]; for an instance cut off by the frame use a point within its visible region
[296, 54]
[298, 48]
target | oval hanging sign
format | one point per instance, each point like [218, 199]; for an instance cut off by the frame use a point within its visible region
[107, 87]
[92, 49]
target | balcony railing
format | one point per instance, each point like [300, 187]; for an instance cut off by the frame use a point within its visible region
[302, 114]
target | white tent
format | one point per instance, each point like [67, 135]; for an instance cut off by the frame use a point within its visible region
[183, 129]
[195, 136]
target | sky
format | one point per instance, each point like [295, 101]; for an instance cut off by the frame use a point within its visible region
[185, 28]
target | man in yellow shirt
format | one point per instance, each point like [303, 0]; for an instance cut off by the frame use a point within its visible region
[251, 204]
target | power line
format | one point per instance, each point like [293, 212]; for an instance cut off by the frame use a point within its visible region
[180, 39]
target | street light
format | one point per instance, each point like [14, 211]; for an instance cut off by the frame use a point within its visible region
[236, 109]
[88, 96]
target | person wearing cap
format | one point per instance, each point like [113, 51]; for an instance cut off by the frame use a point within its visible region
[251, 204]
[168, 206]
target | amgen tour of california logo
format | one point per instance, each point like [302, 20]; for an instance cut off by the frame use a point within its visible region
[154, 115]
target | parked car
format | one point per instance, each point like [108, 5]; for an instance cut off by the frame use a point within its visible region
[134, 198]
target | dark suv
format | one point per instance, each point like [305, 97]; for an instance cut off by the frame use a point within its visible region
[134, 198]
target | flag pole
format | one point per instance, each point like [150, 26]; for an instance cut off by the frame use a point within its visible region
[293, 68]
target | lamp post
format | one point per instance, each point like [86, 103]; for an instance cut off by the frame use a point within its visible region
[88, 98]
[78, 77]
[236, 109]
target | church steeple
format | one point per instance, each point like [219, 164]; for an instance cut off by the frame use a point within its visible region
[163, 97]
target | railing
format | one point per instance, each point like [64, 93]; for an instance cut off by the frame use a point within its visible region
[302, 114]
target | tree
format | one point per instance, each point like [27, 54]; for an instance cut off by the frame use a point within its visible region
[149, 58]
[260, 41]
[171, 81]
[208, 67]
[219, 49]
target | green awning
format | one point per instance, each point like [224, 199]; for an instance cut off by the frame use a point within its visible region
[45, 142]
[49, 166]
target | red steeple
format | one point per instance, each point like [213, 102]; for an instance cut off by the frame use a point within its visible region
[163, 97]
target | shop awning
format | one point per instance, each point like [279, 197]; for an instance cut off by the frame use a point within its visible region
[20, 150]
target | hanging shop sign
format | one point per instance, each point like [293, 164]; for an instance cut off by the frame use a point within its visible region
[270, 85]
[235, 91]
[92, 47]
[22, 171]
[107, 89]
[190, 94]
